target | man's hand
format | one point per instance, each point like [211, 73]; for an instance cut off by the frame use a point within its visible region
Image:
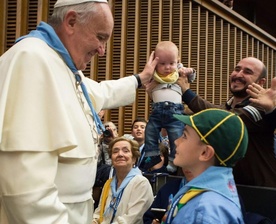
[183, 81]
[147, 74]
[150, 86]
[265, 98]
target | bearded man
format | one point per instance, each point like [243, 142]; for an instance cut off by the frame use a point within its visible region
[258, 167]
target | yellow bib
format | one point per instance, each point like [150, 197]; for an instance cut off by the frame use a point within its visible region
[168, 79]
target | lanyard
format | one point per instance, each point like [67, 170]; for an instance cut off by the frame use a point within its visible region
[97, 120]
[115, 204]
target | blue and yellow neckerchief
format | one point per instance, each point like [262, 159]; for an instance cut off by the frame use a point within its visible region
[46, 33]
[179, 202]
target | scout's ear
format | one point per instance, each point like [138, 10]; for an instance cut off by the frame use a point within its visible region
[207, 153]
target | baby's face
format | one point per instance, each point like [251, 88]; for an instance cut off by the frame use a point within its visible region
[167, 62]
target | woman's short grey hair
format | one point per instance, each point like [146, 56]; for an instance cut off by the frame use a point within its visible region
[134, 147]
[84, 10]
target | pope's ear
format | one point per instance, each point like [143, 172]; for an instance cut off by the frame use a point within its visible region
[207, 153]
[70, 19]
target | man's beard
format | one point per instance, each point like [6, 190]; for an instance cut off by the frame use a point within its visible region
[240, 93]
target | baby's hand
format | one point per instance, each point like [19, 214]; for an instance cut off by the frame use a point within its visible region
[190, 73]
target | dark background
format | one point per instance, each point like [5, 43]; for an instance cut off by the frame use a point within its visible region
[260, 12]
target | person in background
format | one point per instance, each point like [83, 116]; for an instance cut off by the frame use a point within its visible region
[138, 130]
[104, 160]
[138, 133]
[101, 114]
[108, 135]
[206, 152]
[166, 97]
[119, 203]
[49, 125]
[258, 167]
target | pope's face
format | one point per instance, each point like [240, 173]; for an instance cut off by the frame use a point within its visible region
[90, 38]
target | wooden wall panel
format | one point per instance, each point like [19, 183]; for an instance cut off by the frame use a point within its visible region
[3, 22]
[32, 15]
[11, 23]
[208, 37]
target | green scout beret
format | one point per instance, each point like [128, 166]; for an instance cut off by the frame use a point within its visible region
[223, 130]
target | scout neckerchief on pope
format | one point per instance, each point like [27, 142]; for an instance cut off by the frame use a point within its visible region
[46, 33]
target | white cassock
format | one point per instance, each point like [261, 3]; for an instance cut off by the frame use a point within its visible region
[48, 140]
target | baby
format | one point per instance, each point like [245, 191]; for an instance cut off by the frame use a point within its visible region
[167, 100]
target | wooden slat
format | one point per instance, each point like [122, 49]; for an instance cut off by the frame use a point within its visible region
[11, 23]
[43, 8]
[3, 23]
